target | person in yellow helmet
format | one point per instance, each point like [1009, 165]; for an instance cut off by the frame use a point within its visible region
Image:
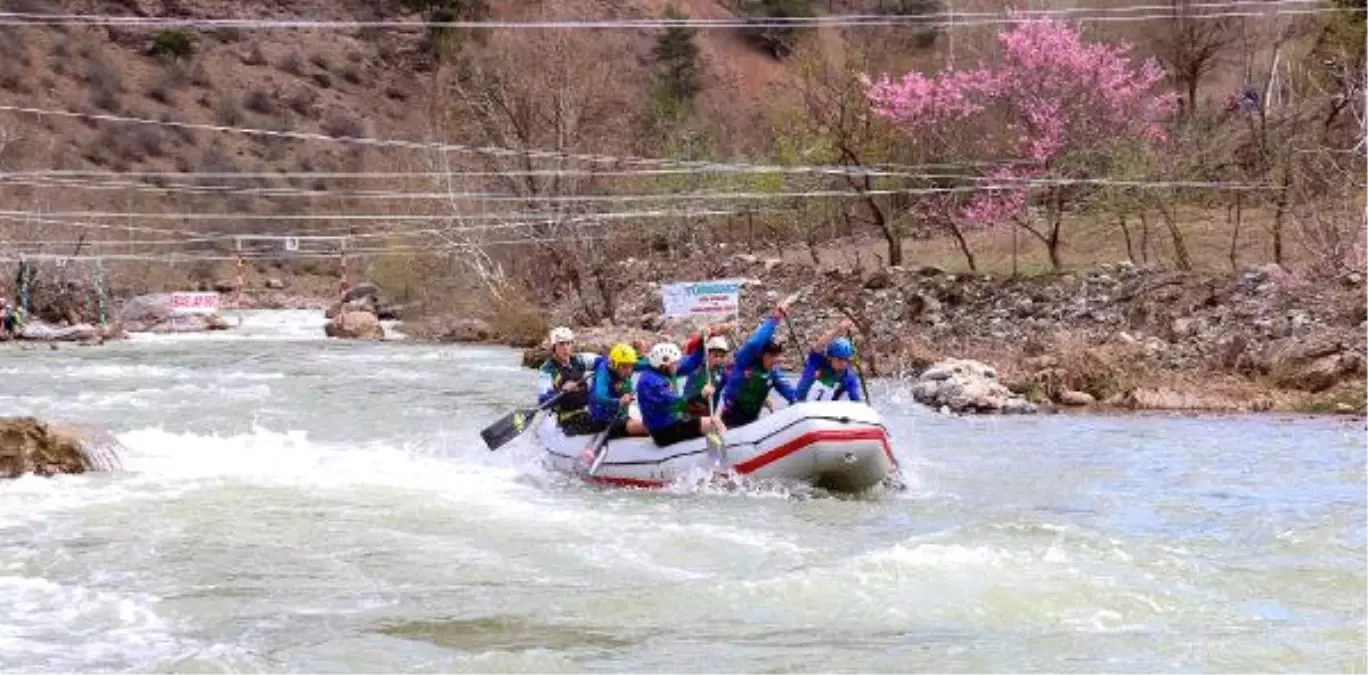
[612, 393]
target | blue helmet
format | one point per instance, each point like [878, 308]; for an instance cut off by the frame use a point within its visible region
[840, 348]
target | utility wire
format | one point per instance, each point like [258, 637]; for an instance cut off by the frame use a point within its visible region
[841, 21]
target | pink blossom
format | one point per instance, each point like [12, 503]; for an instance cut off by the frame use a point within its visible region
[1049, 96]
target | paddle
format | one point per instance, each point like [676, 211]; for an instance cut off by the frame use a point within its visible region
[593, 450]
[855, 359]
[716, 444]
[599, 439]
[859, 372]
[512, 425]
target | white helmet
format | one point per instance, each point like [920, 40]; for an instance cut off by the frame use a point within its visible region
[561, 334]
[718, 342]
[664, 354]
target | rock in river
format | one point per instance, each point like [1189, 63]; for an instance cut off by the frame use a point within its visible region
[152, 313]
[355, 326]
[963, 385]
[28, 445]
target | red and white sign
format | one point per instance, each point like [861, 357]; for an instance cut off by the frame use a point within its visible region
[195, 303]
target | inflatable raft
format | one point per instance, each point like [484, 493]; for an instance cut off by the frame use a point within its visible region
[836, 445]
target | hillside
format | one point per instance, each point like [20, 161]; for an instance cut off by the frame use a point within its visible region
[528, 91]
[373, 82]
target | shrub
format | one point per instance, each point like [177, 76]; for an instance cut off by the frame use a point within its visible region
[302, 101]
[777, 41]
[172, 43]
[261, 102]
[292, 64]
[254, 56]
[106, 85]
[341, 125]
[226, 110]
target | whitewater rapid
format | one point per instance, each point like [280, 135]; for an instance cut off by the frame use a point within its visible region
[291, 503]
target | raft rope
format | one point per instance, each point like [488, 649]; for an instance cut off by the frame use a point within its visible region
[343, 285]
[25, 278]
[97, 279]
[241, 279]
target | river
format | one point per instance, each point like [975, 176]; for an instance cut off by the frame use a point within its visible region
[290, 503]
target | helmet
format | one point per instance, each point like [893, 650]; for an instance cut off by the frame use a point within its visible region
[622, 355]
[840, 348]
[561, 334]
[664, 354]
[718, 342]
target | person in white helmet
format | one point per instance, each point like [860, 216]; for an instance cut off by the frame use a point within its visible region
[662, 410]
[702, 383]
[565, 372]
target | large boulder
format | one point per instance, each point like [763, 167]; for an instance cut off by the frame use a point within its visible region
[364, 297]
[28, 445]
[355, 326]
[966, 386]
[152, 314]
[1311, 364]
[42, 331]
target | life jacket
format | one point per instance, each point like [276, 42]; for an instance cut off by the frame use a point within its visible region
[617, 387]
[659, 404]
[571, 403]
[832, 382]
[751, 391]
[693, 385]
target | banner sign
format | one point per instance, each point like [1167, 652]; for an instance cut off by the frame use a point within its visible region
[703, 298]
[195, 303]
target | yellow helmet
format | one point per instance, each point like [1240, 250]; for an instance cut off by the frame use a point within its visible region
[622, 355]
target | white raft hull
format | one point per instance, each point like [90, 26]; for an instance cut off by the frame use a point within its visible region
[837, 445]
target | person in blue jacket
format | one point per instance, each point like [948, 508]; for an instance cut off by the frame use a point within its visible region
[754, 372]
[662, 409]
[611, 395]
[828, 367]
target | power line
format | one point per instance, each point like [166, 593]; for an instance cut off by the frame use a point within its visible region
[261, 255]
[839, 21]
[704, 166]
[392, 195]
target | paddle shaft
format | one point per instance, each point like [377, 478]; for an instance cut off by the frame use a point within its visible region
[601, 438]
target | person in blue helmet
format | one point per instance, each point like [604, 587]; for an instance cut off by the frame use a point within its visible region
[828, 375]
[754, 373]
[664, 411]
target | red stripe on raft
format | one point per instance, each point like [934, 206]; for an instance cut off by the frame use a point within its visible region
[758, 462]
[625, 482]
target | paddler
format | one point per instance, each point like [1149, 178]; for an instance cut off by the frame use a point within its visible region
[663, 411]
[704, 383]
[612, 396]
[564, 373]
[828, 367]
[754, 372]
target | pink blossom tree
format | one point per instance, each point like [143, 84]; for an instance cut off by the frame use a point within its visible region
[1053, 105]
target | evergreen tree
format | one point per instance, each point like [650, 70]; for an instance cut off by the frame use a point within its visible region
[677, 64]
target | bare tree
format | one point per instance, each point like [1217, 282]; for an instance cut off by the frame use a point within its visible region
[1191, 46]
[533, 103]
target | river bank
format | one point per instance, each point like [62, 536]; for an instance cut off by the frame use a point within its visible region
[1117, 337]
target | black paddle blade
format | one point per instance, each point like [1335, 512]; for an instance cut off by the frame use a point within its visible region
[508, 427]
